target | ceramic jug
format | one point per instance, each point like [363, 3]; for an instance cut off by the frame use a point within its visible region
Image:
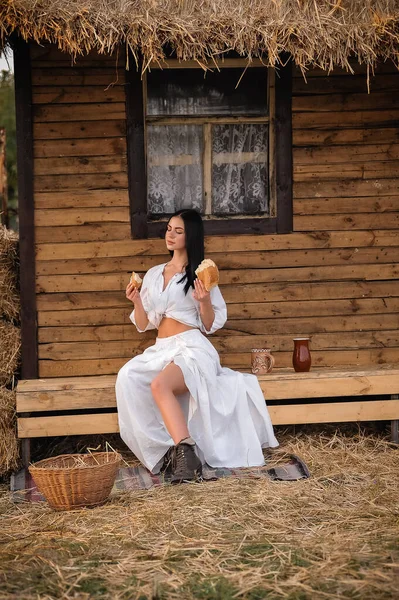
[301, 358]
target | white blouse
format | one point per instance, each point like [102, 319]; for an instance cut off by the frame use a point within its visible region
[173, 303]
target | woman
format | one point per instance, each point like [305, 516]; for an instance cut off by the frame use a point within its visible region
[176, 405]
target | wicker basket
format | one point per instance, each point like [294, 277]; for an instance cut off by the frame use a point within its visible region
[73, 481]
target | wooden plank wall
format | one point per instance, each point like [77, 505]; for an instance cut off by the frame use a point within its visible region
[335, 278]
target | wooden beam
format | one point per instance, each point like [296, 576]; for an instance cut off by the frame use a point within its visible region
[199, 120]
[68, 425]
[135, 141]
[339, 412]
[212, 64]
[231, 245]
[283, 146]
[224, 226]
[67, 400]
[24, 130]
[280, 384]
[25, 175]
[271, 103]
[207, 167]
[297, 387]
[71, 393]
[66, 383]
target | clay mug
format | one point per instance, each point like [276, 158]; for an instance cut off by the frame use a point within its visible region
[262, 361]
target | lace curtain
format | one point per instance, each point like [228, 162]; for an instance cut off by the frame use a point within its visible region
[174, 168]
[239, 168]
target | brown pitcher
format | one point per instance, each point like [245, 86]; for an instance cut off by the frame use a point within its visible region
[262, 361]
[301, 358]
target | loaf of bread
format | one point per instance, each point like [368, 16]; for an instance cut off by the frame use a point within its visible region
[136, 280]
[208, 273]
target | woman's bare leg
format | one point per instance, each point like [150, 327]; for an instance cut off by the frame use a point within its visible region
[165, 387]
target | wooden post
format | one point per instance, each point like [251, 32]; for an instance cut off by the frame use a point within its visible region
[283, 146]
[23, 107]
[135, 142]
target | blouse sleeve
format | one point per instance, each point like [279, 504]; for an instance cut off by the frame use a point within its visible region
[220, 310]
[145, 298]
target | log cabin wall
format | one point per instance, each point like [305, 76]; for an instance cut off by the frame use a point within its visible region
[335, 278]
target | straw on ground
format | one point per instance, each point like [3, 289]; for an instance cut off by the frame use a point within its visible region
[332, 536]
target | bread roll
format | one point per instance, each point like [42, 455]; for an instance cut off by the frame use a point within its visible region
[136, 280]
[208, 273]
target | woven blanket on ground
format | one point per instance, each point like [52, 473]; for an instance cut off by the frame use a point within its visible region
[23, 487]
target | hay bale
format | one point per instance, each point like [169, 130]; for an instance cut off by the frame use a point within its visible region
[8, 245]
[9, 296]
[9, 447]
[10, 347]
[10, 344]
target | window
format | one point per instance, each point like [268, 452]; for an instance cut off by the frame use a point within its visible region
[207, 140]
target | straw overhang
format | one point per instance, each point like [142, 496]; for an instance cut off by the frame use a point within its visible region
[320, 33]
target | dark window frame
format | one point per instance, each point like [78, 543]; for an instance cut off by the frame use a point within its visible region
[142, 227]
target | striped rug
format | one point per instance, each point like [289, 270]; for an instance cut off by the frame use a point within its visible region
[23, 488]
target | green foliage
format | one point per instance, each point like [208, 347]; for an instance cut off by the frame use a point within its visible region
[7, 120]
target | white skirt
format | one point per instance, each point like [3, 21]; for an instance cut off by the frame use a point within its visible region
[225, 410]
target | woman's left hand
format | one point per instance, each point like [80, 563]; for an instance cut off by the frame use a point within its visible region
[200, 292]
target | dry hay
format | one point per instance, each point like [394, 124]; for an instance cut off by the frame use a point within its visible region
[8, 246]
[334, 535]
[9, 449]
[10, 347]
[315, 32]
[42, 448]
[9, 297]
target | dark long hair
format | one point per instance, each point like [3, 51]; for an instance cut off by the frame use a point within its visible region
[194, 229]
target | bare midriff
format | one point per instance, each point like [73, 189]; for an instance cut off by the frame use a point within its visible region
[170, 327]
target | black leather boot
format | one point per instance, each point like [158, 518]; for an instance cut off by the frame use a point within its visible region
[185, 464]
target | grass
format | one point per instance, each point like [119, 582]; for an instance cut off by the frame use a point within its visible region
[332, 536]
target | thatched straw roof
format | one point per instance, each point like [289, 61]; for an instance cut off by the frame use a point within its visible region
[314, 32]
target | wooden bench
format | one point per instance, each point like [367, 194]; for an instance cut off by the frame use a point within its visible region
[87, 405]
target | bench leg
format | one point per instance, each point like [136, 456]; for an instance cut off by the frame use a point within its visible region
[25, 451]
[395, 424]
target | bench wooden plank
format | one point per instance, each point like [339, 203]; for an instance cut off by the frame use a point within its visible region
[70, 393]
[339, 412]
[66, 399]
[319, 387]
[67, 425]
[84, 382]
[325, 373]
[96, 392]
[65, 383]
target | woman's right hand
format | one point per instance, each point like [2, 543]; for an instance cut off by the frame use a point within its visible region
[133, 294]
